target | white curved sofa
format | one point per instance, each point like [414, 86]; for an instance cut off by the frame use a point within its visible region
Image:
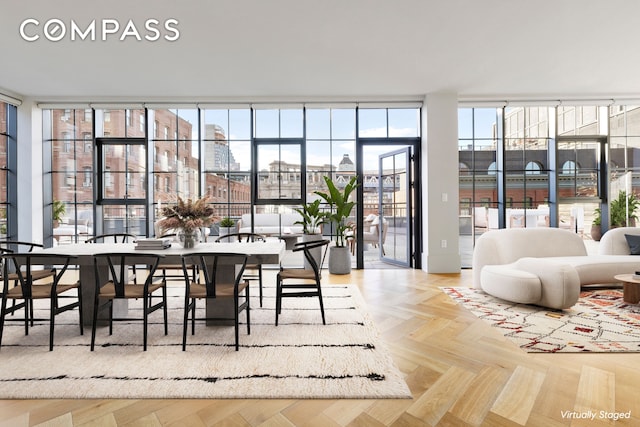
[547, 266]
[271, 224]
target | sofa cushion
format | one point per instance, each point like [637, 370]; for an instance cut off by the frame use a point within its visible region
[634, 243]
[600, 269]
[559, 282]
[533, 281]
[511, 284]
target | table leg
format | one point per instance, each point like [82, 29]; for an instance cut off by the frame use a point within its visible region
[88, 283]
[222, 308]
[631, 292]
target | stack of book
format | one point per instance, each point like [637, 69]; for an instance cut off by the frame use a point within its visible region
[153, 244]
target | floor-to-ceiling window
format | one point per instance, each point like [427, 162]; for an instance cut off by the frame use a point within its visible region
[68, 138]
[226, 148]
[8, 127]
[129, 162]
[479, 130]
[173, 138]
[547, 165]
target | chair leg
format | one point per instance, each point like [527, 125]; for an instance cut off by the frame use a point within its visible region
[145, 318]
[193, 316]
[94, 323]
[236, 323]
[111, 317]
[52, 320]
[185, 323]
[31, 313]
[27, 309]
[278, 297]
[248, 309]
[260, 282]
[3, 313]
[80, 311]
[321, 305]
[164, 304]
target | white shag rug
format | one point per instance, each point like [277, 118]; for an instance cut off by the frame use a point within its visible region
[301, 358]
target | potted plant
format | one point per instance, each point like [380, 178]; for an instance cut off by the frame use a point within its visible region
[312, 219]
[621, 211]
[59, 209]
[339, 255]
[226, 226]
[596, 225]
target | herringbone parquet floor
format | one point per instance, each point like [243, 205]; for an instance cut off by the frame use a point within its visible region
[461, 373]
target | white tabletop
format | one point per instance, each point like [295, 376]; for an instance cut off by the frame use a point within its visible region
[269, 252]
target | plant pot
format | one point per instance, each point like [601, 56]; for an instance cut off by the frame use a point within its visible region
[316, 252]
[596, 232]
[225, 231]
[339, 260]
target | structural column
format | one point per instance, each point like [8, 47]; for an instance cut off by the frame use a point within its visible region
[440, 184]
[29, 172]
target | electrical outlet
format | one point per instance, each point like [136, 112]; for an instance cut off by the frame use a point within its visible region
[443, 244]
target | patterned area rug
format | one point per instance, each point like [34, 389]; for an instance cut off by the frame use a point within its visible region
[600, 322]
[301, 358]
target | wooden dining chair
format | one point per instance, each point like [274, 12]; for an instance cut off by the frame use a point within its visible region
[221, 276]
[302, 282]
[117, 285]
[253, 271]
[32, 282]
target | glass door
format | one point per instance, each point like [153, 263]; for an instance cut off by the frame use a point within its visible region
[395, 206]
[386, 213]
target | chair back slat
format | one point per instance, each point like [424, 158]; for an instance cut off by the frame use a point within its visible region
[307, 247]
[241, 237]
[209, 264]
[118, 265]
[113, 238]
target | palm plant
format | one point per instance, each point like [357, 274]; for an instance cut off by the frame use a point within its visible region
[312, 217]
[340, 206]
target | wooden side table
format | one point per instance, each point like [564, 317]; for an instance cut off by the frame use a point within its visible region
[630, 288]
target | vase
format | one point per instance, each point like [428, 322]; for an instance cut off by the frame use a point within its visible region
[189, 238]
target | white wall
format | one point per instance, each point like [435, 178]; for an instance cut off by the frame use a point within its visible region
[440, 184]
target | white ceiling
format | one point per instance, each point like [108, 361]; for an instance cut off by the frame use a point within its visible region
[329, 49]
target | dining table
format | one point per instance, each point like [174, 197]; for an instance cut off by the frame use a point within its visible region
[268, 252]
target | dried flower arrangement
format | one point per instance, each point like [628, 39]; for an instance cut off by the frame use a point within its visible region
[187, 215]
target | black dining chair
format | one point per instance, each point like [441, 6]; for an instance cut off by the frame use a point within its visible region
[220, 276]
[302, 282]
[174, 271]
[116, 238]
[117, 285]
[34, 282]
[253, 271]
[17, 246]
[113, 238]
